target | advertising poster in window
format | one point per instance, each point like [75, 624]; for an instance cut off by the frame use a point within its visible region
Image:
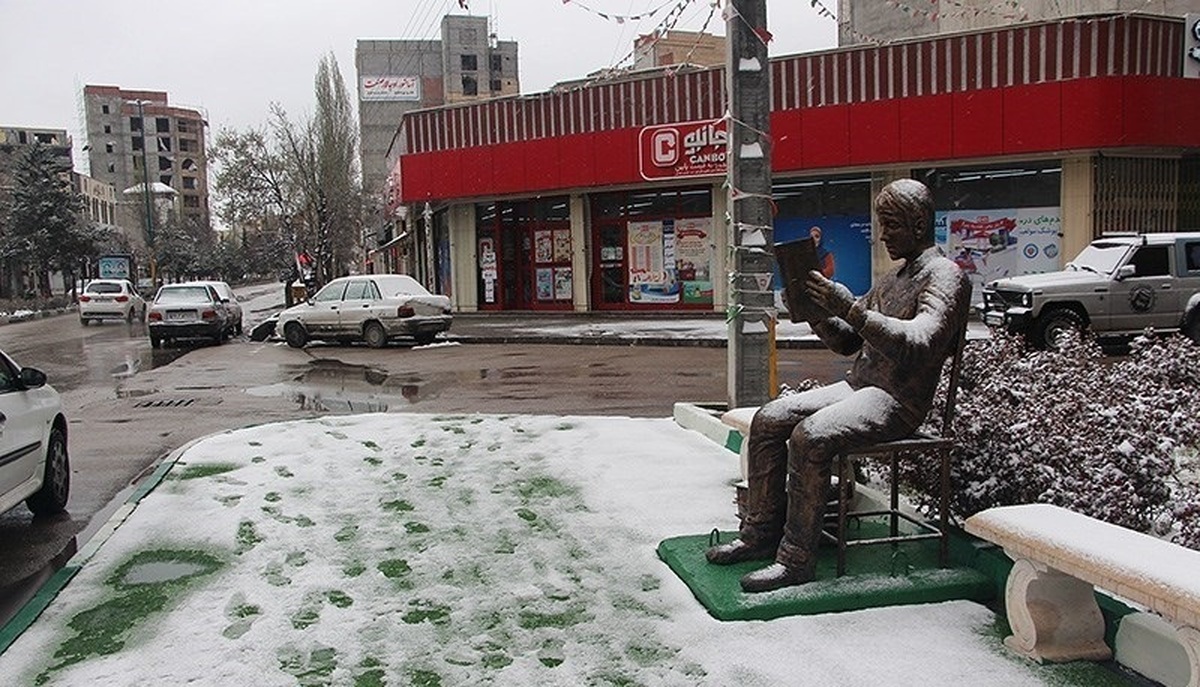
[562, 283]
[543, 246]
[562, 245]
[545, 284]
[843, 248]
[1000, 243]
[487, 268]
[693, 259]
[652, 276]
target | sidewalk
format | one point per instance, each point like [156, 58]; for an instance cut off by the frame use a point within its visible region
[625, 329]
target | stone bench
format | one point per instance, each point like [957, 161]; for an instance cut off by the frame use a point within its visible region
[1060, 557]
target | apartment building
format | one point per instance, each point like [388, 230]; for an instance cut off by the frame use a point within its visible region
[137, 135]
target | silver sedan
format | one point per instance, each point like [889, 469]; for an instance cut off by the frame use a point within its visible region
[374, 308]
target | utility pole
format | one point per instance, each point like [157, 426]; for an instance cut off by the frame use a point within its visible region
[751, 317]
[146, 197]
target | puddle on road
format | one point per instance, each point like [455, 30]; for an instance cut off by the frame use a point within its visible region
[336, 387]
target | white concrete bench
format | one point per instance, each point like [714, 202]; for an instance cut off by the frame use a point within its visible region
[1060, 556]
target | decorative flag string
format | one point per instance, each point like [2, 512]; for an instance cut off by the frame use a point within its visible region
[619, 18]
[712, 11]
[764, 36]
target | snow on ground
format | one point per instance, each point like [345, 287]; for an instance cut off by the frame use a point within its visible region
[455, 550]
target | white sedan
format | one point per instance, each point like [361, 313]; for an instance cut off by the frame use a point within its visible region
[374, 308]
[33, 441]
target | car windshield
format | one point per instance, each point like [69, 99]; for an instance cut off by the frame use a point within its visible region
[103, 287]
[182, 294]
[1100, 256]
[222, 290]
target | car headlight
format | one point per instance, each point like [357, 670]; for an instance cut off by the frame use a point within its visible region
[1027, 299]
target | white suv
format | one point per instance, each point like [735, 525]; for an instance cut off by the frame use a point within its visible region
[111, 299]
[1119, 285]
[33, 441]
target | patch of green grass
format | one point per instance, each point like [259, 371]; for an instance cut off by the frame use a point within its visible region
[373, 461]
[283, 471]
[397, 506]
[544, 487]
[418, 443]
[371, 674]
[353, 569]
[255, 443]
[421, 611]
[247, 536]
[273, 497]
[526, 514]
[416, 527]
[309, 668]
[394, 568]
[371, 445]
[202, 470]
[339, 598]
[424, 678]
[529, 619]
[346, 533]
[103, 629]
[258, 459]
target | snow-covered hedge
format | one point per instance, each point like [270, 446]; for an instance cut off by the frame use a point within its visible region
[1114, 438]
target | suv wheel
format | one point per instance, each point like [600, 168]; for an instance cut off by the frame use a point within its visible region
[1053, 324]
[295, 335]
[1192, 329]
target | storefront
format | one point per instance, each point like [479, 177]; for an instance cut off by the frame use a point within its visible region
[610, 196]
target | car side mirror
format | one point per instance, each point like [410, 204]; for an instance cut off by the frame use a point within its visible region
[1126, 271]
[32, 378]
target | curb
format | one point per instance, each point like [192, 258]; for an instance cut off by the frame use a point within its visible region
[41, 599]
[797, 344]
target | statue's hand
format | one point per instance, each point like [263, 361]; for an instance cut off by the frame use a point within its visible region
[835, 298]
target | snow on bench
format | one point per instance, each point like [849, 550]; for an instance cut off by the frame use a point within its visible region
[1060, 555]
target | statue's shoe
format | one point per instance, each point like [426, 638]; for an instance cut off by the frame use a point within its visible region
[775, 576]
[738, 551]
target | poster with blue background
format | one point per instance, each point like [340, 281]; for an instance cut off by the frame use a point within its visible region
[847, 237]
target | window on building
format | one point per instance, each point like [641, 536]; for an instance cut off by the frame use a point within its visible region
[183, 126]
[191, 201]
[112, 167]
[164, 144]
[470, 86]
[166, 179]
[162, 124]
[987, 187]
[188, 164]
[104, 109]
[496, 62]
[470, 63]
[136, 143]
[496, 85]
[135, 123]
[185, 146]
[189, 183]
[164, 163]
[108, 147]
[137, 162]
[108, 128]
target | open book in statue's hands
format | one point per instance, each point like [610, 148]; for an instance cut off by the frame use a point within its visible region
[796, 259]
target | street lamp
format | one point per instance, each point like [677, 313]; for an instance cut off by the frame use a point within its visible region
[146, 194]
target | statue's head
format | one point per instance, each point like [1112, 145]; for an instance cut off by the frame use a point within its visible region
[904, 209]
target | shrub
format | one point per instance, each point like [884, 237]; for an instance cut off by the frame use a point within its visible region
[1113, 438]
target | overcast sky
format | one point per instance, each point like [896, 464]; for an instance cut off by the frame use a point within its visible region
[232, 58]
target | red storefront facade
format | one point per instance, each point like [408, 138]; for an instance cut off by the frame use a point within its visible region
[1101, 99]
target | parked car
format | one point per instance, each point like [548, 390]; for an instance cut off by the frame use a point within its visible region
[374, 308]
[231, 302]
[1119, 285]
[188, 311]
[110, 299]
[34, 466]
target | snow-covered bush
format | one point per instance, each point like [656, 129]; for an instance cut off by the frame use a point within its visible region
[1113, 438]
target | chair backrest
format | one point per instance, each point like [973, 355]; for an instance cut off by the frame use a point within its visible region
[952, 389]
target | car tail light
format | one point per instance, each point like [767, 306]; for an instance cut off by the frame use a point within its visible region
[208, 314]
[155, 316]
[85, 299]
[406, 311]
[122, 299]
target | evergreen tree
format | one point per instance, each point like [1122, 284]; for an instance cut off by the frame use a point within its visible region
[44, 232]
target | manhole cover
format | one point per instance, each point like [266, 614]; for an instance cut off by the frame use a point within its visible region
[166, 403]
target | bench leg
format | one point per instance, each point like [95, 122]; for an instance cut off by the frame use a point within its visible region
[1189, 637]
[1054, 617]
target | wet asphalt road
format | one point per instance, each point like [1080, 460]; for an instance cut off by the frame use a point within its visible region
[128, 405]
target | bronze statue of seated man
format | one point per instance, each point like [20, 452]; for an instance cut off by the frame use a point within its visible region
[903, 330]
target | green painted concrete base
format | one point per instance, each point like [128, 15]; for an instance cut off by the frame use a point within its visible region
[876, 576]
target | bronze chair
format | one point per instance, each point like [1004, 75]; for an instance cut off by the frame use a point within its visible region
[917, 444]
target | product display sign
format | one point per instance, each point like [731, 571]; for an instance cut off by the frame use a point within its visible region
[843, 247]
[1007, 242]
[670, 261]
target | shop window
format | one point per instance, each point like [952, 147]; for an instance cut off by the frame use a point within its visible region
[162, 125]
[470, 63]
[981, 187]
[470, 86]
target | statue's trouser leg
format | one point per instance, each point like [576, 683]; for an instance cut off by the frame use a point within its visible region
[767, 467]
[868, 416]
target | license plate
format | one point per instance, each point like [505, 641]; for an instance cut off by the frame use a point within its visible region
[179, 315]
[993, 319]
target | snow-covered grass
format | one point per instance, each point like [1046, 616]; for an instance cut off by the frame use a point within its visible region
[455, 550]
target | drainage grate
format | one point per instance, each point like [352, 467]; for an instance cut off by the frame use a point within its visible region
[166, 403]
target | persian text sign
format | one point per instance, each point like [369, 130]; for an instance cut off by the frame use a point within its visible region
[690, 149]
[391, 88]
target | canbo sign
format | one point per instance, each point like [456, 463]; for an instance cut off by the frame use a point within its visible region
[690, 149]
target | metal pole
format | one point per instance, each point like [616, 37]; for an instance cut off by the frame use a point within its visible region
[751, 317]
[146, 198]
